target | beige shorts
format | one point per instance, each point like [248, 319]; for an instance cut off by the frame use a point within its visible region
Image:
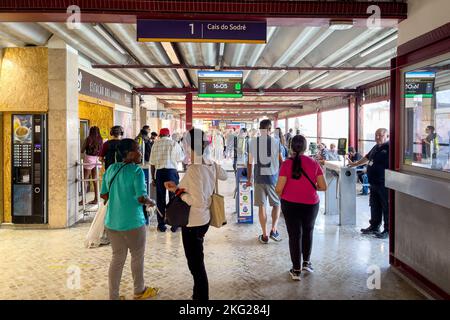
[264, 191]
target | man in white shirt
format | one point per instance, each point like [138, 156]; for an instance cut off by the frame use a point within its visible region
[164, 159]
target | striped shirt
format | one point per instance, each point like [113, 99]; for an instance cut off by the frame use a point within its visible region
[166, 153]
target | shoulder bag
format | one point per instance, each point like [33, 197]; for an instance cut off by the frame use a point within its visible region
[177, 211]
[217, 208]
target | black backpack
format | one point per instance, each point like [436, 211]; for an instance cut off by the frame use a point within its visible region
[112, 155]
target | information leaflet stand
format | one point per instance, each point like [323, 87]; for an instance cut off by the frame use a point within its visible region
[244, 198]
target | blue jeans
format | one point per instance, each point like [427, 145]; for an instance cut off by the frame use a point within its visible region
[164, 175]
[365, 182]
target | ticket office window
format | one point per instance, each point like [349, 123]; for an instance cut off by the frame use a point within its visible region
[426, 117]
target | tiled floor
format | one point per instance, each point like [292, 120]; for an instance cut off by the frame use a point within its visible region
[42, 264]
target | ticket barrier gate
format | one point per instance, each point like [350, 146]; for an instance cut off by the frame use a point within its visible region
[244, 197]
[340, 197]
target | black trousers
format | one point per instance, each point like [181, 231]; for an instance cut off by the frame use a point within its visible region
[300, 219]
[164, 175]
[193, 249]
[379, 209]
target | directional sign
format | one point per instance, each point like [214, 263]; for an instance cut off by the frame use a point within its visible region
[149, 30]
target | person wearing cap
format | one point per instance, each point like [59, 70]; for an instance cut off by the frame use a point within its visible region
[164, 159]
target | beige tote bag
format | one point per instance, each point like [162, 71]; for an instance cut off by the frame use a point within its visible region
[217, 208]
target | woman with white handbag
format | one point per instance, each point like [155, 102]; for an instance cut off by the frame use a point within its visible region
[198, 185]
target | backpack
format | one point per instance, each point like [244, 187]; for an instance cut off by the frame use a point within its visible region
[112, 155]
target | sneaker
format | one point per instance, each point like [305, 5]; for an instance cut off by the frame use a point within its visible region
[173, 229]
[382, 235]
[162, 228]
[148, 293]
[264, 240]
[295, 274]
[307, 266]
[275, 236]
[370, 230]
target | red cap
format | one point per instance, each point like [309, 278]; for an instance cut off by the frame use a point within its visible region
[164, 132]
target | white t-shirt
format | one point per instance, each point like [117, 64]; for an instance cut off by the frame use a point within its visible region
[199, 182]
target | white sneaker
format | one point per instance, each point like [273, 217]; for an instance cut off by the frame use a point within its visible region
[307, 266]
[295, 274]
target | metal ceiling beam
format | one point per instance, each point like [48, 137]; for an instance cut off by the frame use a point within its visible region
[240, 106]
[228, 102]
[248, 91]
[187, 67]
[124, 11]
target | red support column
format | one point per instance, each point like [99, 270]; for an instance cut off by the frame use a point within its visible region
[189, 111]
[352, 135]
[319, 125]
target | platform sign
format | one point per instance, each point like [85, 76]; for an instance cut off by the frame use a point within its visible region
[220, 84]
[151, 30]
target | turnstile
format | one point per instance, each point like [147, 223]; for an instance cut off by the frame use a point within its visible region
[340, 197]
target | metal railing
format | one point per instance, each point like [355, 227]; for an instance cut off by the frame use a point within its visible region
[83, 181]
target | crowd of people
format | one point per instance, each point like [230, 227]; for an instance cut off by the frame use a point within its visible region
[277, 166]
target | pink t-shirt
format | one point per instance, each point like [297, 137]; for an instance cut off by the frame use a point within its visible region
[301, 190]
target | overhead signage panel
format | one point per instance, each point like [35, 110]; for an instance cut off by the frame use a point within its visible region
[149, 30]
[419, 84]
[220, 84]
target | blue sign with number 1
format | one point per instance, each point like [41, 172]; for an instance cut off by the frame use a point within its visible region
[201, 31]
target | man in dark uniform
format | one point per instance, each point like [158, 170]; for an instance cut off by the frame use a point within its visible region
[377, 161]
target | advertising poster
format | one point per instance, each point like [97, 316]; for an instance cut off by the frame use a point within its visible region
[245, 200]
[22, 130]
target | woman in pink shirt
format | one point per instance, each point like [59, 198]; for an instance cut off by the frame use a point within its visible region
[299, 180]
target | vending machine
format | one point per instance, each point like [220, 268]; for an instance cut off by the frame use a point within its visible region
[29, 168]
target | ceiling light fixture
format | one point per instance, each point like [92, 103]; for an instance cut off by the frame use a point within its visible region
[379, 45]
[147, 74]
[109, 38]
[319, 78]
[341, 24]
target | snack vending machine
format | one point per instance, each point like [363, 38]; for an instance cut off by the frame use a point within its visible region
[29, 168]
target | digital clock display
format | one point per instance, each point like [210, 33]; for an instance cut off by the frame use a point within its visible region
[223, 84]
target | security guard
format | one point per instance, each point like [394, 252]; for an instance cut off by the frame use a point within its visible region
[377, 161]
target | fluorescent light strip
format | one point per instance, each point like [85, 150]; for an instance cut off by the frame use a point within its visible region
[110, 39]
[379, 45]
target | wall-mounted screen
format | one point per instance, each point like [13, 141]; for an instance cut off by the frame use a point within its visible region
[220, 84]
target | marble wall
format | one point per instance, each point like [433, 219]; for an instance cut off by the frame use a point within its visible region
[1, 167]
[23, 80]
[63, 135]
[136, 114]
[98, 115]
[7, 167]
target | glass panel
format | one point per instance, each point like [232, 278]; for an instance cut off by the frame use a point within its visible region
[372, 117]
[427, 117]
[282, 125]
[334, 126]
[308, 127]
[22, 200]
